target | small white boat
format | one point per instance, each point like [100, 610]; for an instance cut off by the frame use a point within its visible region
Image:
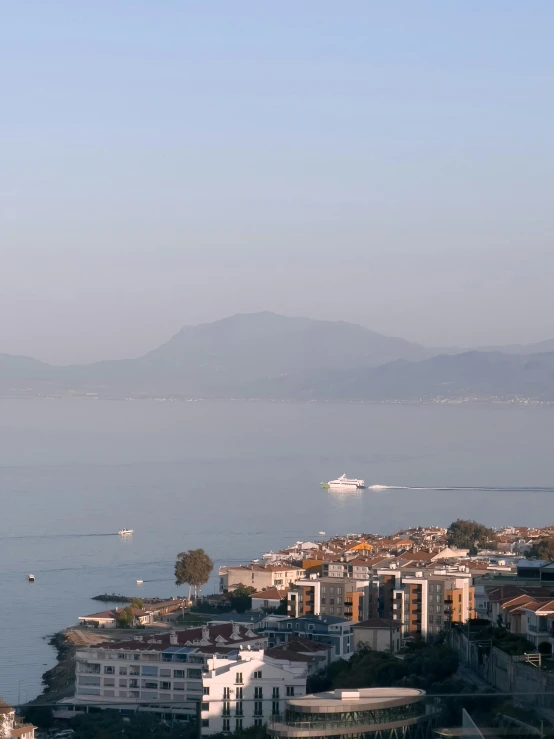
[139, 582]
[322, 533]
[125, 532]
[31, 578]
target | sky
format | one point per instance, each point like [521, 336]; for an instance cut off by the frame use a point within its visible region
[171, 163]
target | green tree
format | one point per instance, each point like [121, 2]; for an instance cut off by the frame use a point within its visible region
[193, 568]
[240, 598]
[137, 603]
[543, 549]
[125, 618]
[470, 535]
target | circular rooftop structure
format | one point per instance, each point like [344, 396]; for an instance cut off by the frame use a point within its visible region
[383, 712]
[362, 699]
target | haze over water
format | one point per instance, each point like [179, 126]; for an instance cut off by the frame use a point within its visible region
[237, 479]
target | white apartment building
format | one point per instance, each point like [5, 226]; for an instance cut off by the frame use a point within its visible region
[248, 690]
[259, 576]
[162, 671]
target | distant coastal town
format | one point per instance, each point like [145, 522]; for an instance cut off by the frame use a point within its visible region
[309, 617]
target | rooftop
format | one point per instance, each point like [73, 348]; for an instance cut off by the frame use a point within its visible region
[219, 635]
[363, 699]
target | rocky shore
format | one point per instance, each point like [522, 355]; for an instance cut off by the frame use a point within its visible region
[59, 681]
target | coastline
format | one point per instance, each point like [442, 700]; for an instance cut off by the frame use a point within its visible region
[58, 681]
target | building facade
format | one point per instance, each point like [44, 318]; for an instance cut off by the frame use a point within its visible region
[425, 602]
[248, 690]
[162, 672]
[331, 630]
[259, 576]
[379, 634]
[342, 597]
[12, 727]
[380, 713]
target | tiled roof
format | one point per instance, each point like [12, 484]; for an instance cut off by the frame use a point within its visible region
[271, 594]
[219, 635]
[115, 613]
[377, 623]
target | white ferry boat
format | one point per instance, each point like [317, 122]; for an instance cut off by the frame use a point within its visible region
[344, 483]
[125, 532]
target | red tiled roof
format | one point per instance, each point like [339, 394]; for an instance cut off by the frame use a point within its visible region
[271, 594]
[159, 642]
[115, 613]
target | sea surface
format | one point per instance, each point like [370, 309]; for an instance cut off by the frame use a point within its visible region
[237, 479]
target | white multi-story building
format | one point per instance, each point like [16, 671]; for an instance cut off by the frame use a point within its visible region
[248, 690]
[162, 672]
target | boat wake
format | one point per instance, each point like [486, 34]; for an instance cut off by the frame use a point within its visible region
[475, 487]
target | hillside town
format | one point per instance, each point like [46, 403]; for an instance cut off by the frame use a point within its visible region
[312, 605]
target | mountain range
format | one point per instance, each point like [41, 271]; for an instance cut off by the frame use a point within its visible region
[264, 355]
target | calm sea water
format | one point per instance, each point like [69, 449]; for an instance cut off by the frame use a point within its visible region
[237, 479]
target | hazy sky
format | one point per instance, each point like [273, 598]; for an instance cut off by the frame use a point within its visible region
[163, 163]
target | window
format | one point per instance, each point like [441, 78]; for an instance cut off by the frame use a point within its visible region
[238, 678]
[238, 708]
[165, 686]
[226, 693]
[205, 707]
[205, 722]
[109, 670]
[178, 686]
[109, 682]
[258, 675]
[194, 674]
[122, 670]
[205, 691]
[121, 656]
[179, 673]
[226, 708]
[258, 708]
[238, 724]
[332, 601]
[258, 722]
[290, 690]
[136, 657]
[431, 619]
[226, 724]
[258, 693]
[289, 626]
[276, 693]
[123, 683]
[134, 670]
[275, 708]
[165, 673]
[339, 591]
[239, 694]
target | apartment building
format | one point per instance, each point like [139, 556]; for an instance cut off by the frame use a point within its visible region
[345, 597]
[425, 601]
[331, 630]
[248, 690]
[150, 670]
[259, 576]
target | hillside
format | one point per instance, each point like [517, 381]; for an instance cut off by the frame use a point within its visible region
[471, 374]
[265, 355]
